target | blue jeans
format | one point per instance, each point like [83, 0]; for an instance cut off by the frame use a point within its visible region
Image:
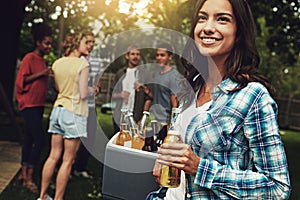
[33, 141]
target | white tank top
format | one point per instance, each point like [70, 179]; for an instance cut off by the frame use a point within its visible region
[184, 120]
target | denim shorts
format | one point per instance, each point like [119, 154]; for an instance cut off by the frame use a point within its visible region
[67, 124]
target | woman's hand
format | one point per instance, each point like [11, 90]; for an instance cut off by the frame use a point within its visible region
[125, 95]
[157, 172]
[178, 155]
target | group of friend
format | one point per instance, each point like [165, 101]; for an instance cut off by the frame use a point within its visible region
[232, 147]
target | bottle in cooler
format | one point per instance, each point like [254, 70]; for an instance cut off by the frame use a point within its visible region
[162, 133]
[137, 140]
[124, 137]
[144, 122]
[149, 141]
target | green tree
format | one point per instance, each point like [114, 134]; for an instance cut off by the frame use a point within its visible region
[73, 15]
[277, 23]
[278, 42]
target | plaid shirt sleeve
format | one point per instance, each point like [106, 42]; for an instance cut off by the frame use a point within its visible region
[242, 155]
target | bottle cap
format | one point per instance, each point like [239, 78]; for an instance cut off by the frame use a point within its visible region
[130, 114]
[124, 109]
[146, 112]
[176, 110]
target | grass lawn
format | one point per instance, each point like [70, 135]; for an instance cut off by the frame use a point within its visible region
[77, 188]
[291, 141]
[81, 189]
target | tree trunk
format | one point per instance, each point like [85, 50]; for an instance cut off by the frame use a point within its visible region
[11, 23]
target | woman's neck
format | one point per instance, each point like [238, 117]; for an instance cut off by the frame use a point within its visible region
[74, 54]
[38, 52]
[216, 73]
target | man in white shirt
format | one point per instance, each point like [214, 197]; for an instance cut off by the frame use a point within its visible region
[124, 94]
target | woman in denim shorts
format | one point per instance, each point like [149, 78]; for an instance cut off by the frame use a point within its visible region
[68, 120]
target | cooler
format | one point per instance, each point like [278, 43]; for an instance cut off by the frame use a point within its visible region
[127, 173]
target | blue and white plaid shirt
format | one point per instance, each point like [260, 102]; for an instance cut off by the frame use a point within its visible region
[241, 152]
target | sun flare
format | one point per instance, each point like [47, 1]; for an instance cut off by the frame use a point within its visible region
[139, 8]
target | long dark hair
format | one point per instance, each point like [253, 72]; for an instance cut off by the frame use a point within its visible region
[242, 63]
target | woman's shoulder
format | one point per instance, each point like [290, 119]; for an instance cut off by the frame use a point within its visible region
[253, 92]
[251, 88]
[256, 88]
[31, 56]
[70, 60]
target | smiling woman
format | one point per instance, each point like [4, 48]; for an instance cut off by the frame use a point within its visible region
[215, 30]
[234, 149]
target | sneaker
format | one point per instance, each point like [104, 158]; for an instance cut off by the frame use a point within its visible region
[46, 198]
[83, 174]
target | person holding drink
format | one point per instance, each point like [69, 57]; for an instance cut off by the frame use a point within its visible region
[31, 94]
[68, 119]
[129, 88]
[232, 148]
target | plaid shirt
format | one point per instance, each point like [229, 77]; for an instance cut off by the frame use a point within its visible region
[241, 152]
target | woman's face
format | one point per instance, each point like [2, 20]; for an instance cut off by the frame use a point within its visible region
[84, 47]
[45, 45]
[215, 31]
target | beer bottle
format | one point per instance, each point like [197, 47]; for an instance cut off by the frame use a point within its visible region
[170, 176]
[137, 139]
[154, 126]
[144, 122]
[124, 138]
[149, 141]
[161, 134]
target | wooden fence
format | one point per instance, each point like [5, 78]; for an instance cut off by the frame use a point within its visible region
[106, 85]
[289, 113]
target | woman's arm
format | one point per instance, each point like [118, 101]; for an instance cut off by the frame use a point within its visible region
[84, 90]
[259, 169]
[33, 77]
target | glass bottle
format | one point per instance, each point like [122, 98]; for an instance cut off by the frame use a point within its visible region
[161, 134]
[137, 140]
[154, 126]
[144, 122]
[149, 141]
[170, 176]
[124, 138]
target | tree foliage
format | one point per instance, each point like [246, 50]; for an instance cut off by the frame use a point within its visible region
[279, 42]
[277, 25]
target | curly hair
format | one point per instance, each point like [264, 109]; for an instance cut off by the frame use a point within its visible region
[40, 31]
[72, 41]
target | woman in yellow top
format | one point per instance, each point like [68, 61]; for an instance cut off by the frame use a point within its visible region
[68, 120]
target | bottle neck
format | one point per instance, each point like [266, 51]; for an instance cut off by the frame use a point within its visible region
[144, 121]
[174, 129]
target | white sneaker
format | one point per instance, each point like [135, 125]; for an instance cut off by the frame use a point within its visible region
[83, 174]
[46, 198]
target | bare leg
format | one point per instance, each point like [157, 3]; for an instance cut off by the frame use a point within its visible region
[28, 182]
[28, 178]
[71, 147]
[50, 164]
[23, 173]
